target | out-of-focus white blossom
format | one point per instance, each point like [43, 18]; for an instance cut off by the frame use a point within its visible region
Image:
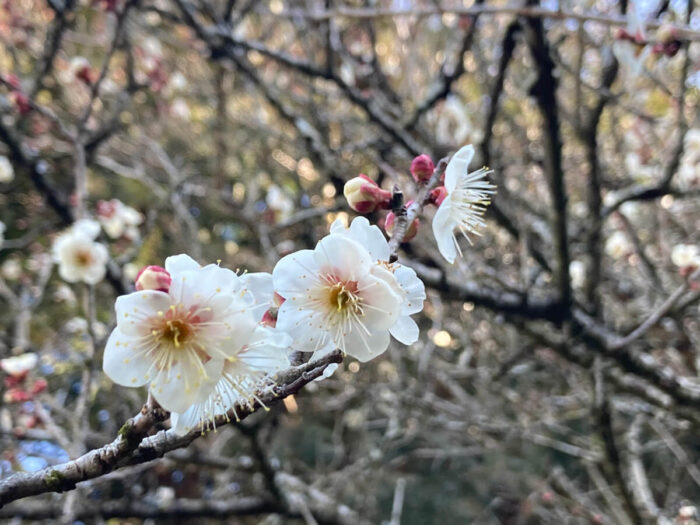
[165, 496]
[180, 109]
[686, 255]
[79, 257]
[19, 365]
[468, 194]
[688, 512]
[629, 47]
[11, 269]
[130, 271]
[76, 325]
[178, 341]
[453, 123]
[638, 170]
[689, 169]
[577, 271]
[279, 202]
[118, 219]
[618, 245]
[7, 172]
[64, 294]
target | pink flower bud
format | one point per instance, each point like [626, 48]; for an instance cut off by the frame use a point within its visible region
[153, 278]
[21, 102]
[422, 168]
[437, 195]
[389, 226]
[365, 196]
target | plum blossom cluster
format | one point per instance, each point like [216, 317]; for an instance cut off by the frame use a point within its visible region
[633, 47]
[204, 339]
[118, 219]
[461, 199]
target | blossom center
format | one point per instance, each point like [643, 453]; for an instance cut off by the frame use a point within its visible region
[83, 258]
[176, 332]
[343, 297]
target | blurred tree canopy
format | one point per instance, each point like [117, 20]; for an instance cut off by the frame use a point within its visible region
[556, 376]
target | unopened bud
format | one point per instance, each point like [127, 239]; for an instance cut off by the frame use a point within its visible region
[80, 67]
[39, 386]
[21, 102]
[422, 168]
[390, 221]
[365, 196]
[437, 195]
[153, 278]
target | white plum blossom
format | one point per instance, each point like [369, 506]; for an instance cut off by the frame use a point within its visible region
[79, 257]
[179, 341]
[405, 330]
[20, 364]
[618, 245]
[340, 295]
[7, 172]
[686, 255]
[468, 194]
[243, 373]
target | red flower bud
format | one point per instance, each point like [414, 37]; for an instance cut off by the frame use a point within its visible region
[21, 102]
[153, 278]
[13, 81]
[365, 196]
[39, 385]
[437, 195]
[422, 168]
[389, 226]
[86, 75]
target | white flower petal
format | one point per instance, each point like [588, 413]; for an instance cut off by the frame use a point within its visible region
[184, 385]
[180, 263]
[294, 273]
[123, 362]
[371, 237]
[342, 257]
[87, 228]
[458, 165]
[381, 299]
[305, 326]
[443, 226]
[405, 330]
[414, 288]
[363, 346]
